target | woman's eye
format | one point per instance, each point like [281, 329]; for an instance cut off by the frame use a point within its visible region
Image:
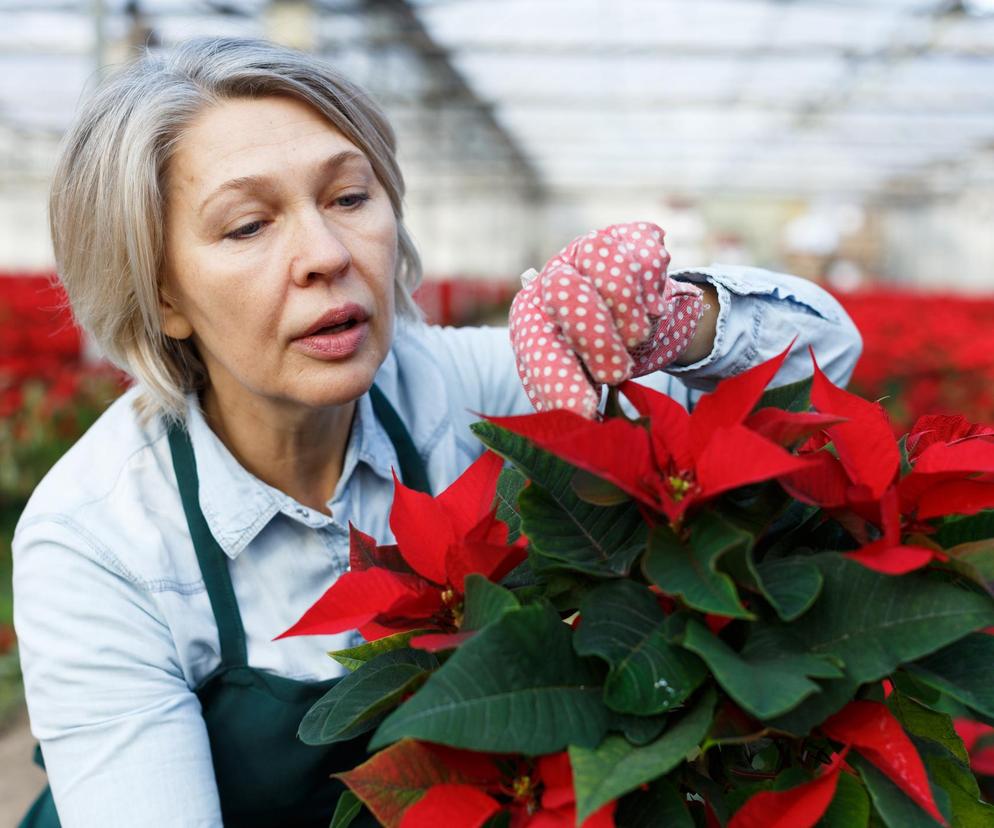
[352, 200]
[246, 231]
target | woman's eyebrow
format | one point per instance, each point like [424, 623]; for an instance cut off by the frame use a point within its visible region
[247, 182]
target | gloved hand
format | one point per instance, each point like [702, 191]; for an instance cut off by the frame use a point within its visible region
[601, 311]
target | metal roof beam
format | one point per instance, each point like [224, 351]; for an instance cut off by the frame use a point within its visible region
[419, 38]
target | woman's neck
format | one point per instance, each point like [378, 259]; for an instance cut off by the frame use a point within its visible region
[299, 452]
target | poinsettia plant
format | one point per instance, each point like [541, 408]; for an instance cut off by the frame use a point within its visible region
[765, 612]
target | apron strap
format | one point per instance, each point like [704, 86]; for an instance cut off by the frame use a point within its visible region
[214, 563]
[412, 469]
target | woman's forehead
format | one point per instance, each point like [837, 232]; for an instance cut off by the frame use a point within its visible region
[255, 136]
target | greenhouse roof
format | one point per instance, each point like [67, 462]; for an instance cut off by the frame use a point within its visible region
[751, 96]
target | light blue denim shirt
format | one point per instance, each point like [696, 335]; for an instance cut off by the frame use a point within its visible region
[114, 624]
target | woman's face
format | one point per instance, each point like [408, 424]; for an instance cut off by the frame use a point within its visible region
[281, 250]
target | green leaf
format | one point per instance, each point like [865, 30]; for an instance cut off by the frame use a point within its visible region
[975, 560]
[890, 802]
[767, 680]
[791, 585]
[538, 465]
[692, 571]
[791, 529]
[622, 623]
[603, 541]
[521, 579]
[790, 778]
[662, 804]
[640, 730]
[509, 486]
[346, 810]
[756, 508]
[615, 767]
[593, 489]
[355, 704]
[563, 589]
[850, 807]
[485, 602]
[962, 670]
[957, 530]
[516, 686]
[569, 533]
[925, 723]
[919, 690]
[945, 758]
[706, 789]
[874, 622]
[959, 784]
[979, 554]
[795, 396]
[354, 657]
[833, 695]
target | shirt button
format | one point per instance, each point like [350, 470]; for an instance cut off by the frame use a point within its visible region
[301, 512]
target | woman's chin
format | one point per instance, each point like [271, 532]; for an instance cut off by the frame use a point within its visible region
[342, 386]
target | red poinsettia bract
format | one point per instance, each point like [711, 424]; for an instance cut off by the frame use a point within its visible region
[952, 468]
[798, 807]
[978, 739]
[871, 729]
[418, 583]
[942, 428]
[541, 797]
[681, 459]
[860, 481]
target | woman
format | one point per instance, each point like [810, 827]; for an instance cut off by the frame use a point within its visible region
[227, 223]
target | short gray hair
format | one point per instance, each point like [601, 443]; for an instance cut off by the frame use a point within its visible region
[107, 203]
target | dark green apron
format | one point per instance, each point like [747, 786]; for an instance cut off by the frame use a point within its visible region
[265, 775]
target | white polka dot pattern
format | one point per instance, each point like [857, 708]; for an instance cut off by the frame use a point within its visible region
[600, 312]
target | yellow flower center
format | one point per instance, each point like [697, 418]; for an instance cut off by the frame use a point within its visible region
[451, 601]
[522, 787]
[678, 487]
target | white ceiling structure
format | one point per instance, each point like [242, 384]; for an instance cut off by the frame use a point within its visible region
[760, 97]
[756, 95]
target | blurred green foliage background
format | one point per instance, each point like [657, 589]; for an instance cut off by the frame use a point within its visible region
[49, 418]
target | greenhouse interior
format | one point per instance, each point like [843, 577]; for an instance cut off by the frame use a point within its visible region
[847, 142]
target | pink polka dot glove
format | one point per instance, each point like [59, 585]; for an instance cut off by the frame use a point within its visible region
[600, 312]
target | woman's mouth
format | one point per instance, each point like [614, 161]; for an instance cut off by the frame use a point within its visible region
[330, 329]
[336, 341]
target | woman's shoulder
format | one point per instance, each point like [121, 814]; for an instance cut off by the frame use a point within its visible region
[472, 367]
[471, 342]
[98, 462]
[107, 495]
[441, 376]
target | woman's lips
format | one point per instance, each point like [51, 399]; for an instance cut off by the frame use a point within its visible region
[332, 345]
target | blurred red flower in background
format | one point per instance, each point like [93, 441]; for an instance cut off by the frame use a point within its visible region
[939, 362]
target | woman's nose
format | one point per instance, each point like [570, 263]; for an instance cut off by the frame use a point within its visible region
[318, 251]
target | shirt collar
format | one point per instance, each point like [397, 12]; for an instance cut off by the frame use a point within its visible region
[237, 505]
[369, 444]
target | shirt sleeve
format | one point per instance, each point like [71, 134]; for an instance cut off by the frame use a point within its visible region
[760, 313]
[478, 370]
[121, 732]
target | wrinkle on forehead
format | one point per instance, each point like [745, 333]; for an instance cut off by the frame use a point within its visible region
[235, 139]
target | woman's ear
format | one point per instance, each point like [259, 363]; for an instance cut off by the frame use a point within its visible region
[174, 323]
